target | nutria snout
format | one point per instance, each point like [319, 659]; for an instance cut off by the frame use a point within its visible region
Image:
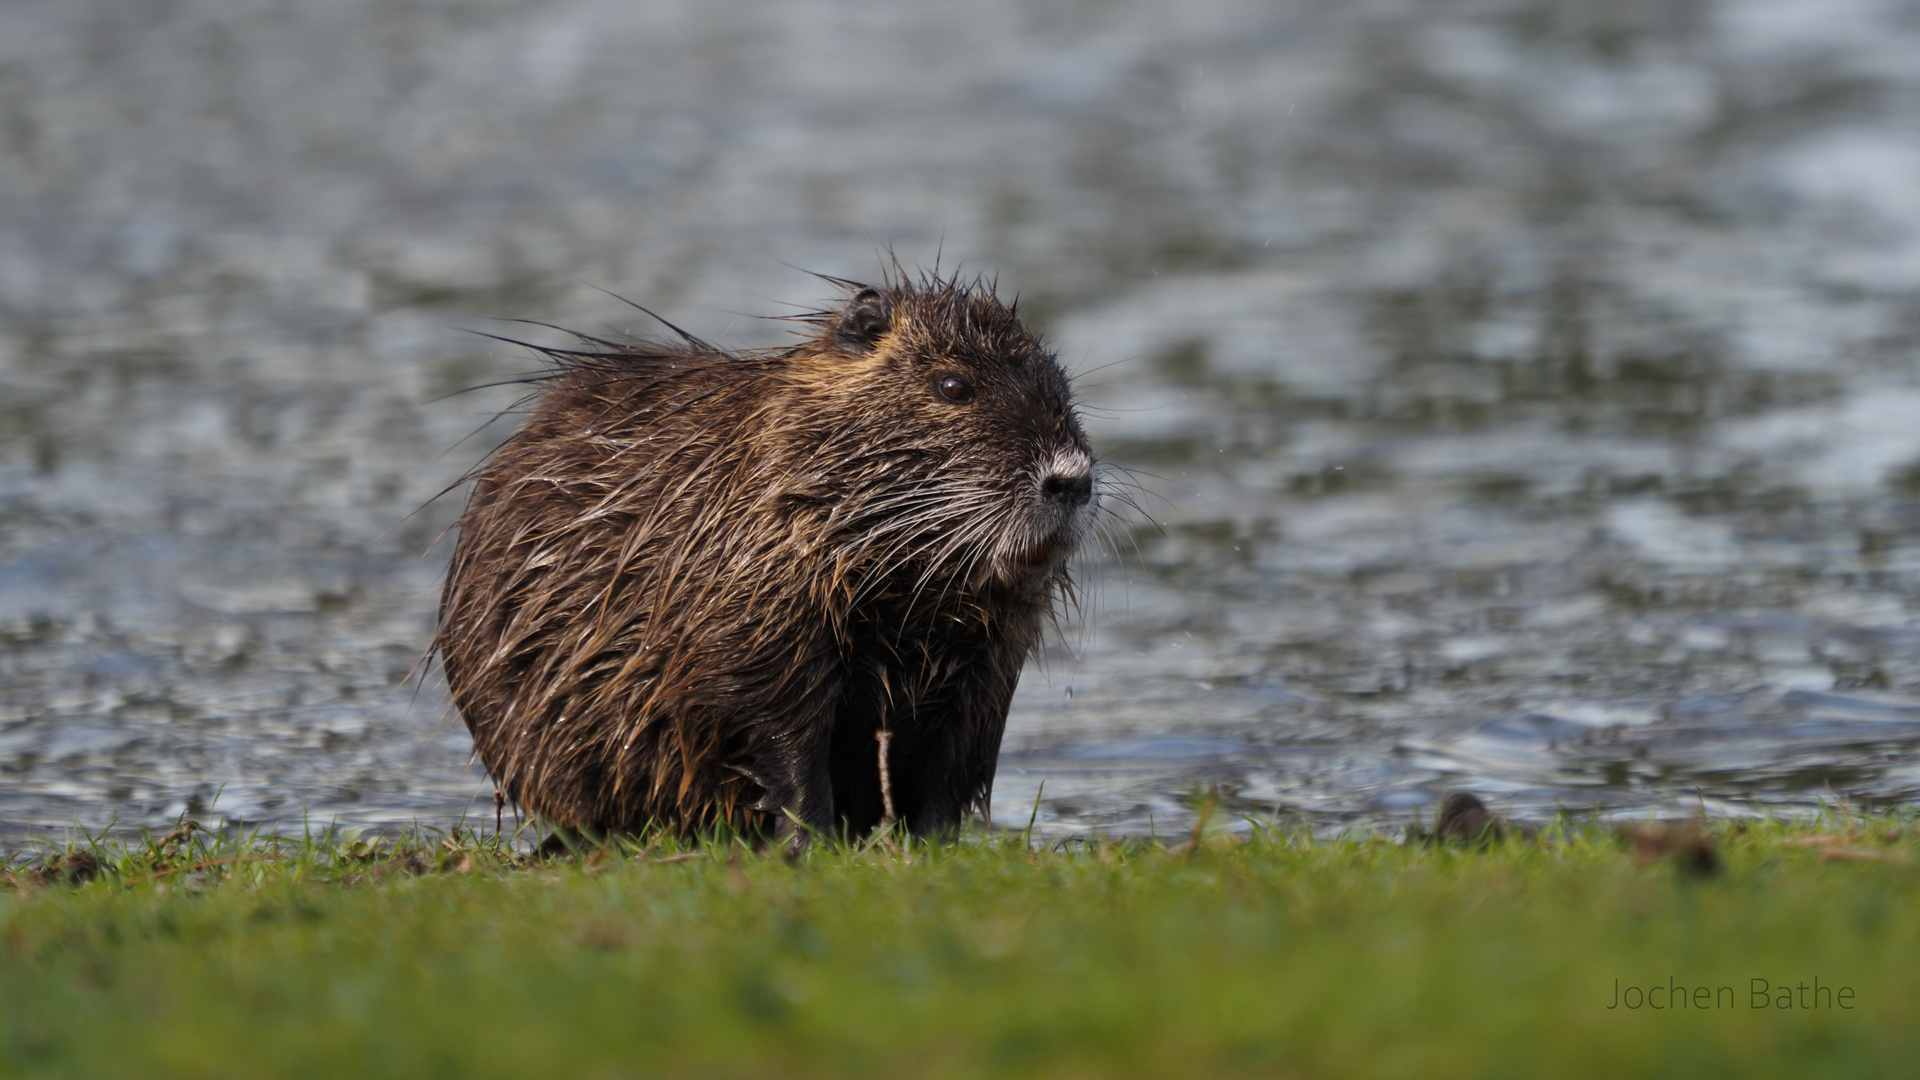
[696, 587]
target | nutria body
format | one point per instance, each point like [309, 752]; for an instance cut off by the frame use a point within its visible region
[695, 586]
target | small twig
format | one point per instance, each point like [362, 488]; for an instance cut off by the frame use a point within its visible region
[882, 837]
[1830, 840]
[885, 739]
[210, 863]
[184, 831]
[1202, 818]
[682, 857]
[887, 818]
[1852, 854]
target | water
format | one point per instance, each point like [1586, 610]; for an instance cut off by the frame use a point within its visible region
[1522, 393]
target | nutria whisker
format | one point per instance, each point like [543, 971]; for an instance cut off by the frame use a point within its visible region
[917, 527]
[963, 541]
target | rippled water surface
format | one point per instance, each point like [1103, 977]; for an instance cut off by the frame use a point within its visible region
[1523, 394]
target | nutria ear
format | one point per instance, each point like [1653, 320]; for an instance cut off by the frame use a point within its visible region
[865, 321]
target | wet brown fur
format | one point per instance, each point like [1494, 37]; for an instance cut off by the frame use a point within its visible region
[694, 585]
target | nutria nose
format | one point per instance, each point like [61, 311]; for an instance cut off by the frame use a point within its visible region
[1069, 489]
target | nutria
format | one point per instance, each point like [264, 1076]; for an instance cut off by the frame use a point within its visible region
[1464, 817]
[787, 590]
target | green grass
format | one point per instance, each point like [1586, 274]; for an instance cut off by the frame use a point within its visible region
[1275, 956]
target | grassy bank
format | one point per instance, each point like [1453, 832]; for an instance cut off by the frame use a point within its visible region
[1270, 956]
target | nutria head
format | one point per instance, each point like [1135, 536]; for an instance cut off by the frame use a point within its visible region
[971, 433]
[695, 586]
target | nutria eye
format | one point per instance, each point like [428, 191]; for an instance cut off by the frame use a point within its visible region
[953, 388]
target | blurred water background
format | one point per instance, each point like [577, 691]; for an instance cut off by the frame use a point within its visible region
[1525, 389]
